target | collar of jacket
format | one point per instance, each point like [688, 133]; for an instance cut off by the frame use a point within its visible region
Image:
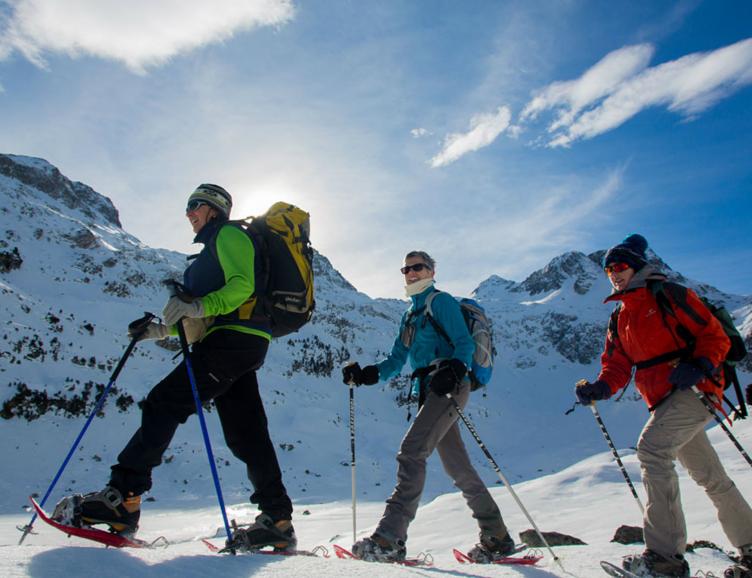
[208, 231]
[639, 281]
[420, 299]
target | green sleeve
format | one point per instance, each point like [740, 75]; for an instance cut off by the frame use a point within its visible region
[236, 254]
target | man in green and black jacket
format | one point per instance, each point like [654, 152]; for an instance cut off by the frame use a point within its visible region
[230, 346]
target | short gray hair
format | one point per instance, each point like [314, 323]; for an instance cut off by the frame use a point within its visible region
[424, 256]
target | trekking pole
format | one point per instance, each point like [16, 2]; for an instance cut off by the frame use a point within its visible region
[712, 412]
[352, 458]
[610, 443]
[504, 480]
[137, 327]
[174, 289]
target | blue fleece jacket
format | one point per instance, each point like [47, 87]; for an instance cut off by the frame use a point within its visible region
[427, 344]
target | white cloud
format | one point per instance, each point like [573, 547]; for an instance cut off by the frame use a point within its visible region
[599, 81]
[484, 128]
[419, 132]
[688, 86]
[139, 33]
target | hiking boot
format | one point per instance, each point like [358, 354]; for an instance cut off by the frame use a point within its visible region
[104, 507]
[264, 532]
[492, 548]
[742, 568]
[379, 549]
[652, 564]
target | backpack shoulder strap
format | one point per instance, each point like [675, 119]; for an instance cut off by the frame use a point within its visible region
[429, 301]
[613, 328]
[429, 315]
[669, 294]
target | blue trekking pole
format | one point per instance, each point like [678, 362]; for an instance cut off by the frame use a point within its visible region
[137, 329]
[175, 291]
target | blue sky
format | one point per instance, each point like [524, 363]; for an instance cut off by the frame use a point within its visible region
[493, 134]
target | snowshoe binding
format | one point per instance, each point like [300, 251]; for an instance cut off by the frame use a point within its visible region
[262, 533]
[107, 506]
[492, 548]
[652, 564]
[743, 567]
[379, 549]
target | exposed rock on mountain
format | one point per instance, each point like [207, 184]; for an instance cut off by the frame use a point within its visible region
[72, 278]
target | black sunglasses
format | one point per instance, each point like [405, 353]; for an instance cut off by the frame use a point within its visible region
[418, 267]
[194, 205]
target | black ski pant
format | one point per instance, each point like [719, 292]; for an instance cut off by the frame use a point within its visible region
[224, 365]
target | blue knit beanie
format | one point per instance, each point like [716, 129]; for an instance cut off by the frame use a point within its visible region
[630, 251]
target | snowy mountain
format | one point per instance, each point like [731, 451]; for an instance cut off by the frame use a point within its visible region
[72, 279]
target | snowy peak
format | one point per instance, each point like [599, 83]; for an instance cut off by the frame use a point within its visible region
[38, 174]
[572, 265]
[492, 286]
[327, 276]
[71, 279]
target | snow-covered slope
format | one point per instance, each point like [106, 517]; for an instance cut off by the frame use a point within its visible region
[71, 279]
[588, 500]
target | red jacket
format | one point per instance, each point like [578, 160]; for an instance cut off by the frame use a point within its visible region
[643, 334]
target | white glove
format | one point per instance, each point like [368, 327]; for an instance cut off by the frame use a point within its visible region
[153, 331]
[176, 309]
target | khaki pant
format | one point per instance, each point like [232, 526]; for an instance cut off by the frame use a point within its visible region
[676, 429]
[436, 427]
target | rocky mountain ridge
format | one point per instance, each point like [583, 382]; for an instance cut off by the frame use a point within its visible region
[72, 279]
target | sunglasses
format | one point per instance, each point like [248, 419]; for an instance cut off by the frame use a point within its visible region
[194, 205]
[418, 267]
[615, 268]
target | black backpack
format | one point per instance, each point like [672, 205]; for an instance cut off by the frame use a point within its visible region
[667, 292]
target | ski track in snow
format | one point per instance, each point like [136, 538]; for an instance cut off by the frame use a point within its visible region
[588, 500]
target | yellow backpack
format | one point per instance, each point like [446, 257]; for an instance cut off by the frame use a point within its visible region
[283, 268]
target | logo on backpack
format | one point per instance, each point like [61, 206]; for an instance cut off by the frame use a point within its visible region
[480, 328]
[283, 268]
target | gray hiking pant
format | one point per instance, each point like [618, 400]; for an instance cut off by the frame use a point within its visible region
[436, 427]
[676, 429]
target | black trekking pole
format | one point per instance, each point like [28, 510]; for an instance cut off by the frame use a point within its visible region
[711, 411]
[137, 329]
[175, 291]
[352, 459]
[610, 443]
[503, 479]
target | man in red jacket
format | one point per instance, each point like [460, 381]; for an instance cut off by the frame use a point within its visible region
[671, 353]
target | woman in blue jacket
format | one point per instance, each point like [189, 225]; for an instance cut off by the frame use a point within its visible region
[440, 370]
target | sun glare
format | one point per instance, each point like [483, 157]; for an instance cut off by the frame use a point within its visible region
[256, 201]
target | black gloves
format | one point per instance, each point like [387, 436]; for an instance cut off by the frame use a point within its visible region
[446, 375]
[587, 392]
[353, 373]
[689, 373]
